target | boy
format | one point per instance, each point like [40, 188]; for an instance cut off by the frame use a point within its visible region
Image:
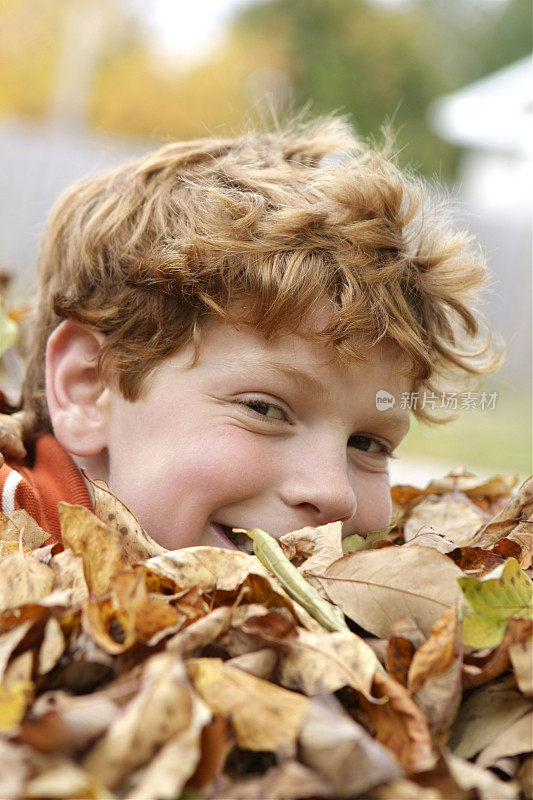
[216, 322]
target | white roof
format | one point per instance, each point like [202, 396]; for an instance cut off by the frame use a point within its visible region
[495, 113]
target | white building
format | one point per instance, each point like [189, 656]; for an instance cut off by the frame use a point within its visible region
[492, 120]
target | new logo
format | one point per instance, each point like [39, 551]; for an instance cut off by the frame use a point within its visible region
[384, 400]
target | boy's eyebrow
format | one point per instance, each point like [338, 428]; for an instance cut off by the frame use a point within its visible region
[299, 375]
[396, 421]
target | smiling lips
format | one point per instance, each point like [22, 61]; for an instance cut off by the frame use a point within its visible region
[231, 541]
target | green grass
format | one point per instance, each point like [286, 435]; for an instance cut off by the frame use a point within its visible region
[487, 442]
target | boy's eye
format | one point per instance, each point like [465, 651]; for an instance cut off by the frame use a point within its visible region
[264, 409]
[368, 444]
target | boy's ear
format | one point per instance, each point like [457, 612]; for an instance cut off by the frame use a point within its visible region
[77, 399]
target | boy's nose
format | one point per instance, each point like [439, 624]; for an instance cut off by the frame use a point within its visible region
[322, 493]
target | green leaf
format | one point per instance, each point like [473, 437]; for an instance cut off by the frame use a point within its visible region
[354, 543]
[491, 601]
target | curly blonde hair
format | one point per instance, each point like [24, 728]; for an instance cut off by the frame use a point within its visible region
[257, 229]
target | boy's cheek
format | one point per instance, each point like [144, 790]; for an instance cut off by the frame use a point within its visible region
[374, 508]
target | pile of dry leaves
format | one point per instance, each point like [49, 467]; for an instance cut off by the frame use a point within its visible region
[130, 671]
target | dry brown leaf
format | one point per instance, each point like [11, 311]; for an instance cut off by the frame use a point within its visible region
[168, 771]
[440, 698]
[62, 723]
[319, 546]
[481, 670]
[486, 712]
[19, 669]
[525, 778]
[404, 789]
[469, 484]
[207, 568]
[306, 542]
[274, 625]
[162, 708]
[400, 725]
[263, 715]
[6, 548]
[112, 629]
[23, 580]
[312, 662]
[213, 568]
[404, 497]
[137, 544]
[398, 658]
[453, 515]
[428, 537]
[64, 779]
[69, 577]
[99, 547]
[215, 743]
[260, 663]
[15, 768]
[253, 626]
[437, 654]
[405, 638]
[12, 434]
[494, 532]
[128, 614]
[521, 655]
[377, 587]
[21, 527]
[52, 647]
[475, 561]
[514, 739]
[457, 778]
[290, 781]
[408, 628]
[46, 734]
[9, 641]
[340, 750]
[315, 663]
[519, 507]
[202, 632]
[523, 536]
[507, 766]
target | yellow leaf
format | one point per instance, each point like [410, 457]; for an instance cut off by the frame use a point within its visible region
[99, 547]
[8, 331]
[264, 716]
[13, 702]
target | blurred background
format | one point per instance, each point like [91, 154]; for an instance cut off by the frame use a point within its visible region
[86, 84]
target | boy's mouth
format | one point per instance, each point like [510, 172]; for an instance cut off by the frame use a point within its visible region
[225, 537]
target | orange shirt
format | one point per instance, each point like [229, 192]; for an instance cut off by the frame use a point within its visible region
[38, 482]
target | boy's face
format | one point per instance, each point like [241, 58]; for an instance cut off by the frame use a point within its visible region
[256, 434]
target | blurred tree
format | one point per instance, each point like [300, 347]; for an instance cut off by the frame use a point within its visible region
[135, 94]
[508, 38]
[29, 36]
[376, 62]
[380, 62]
